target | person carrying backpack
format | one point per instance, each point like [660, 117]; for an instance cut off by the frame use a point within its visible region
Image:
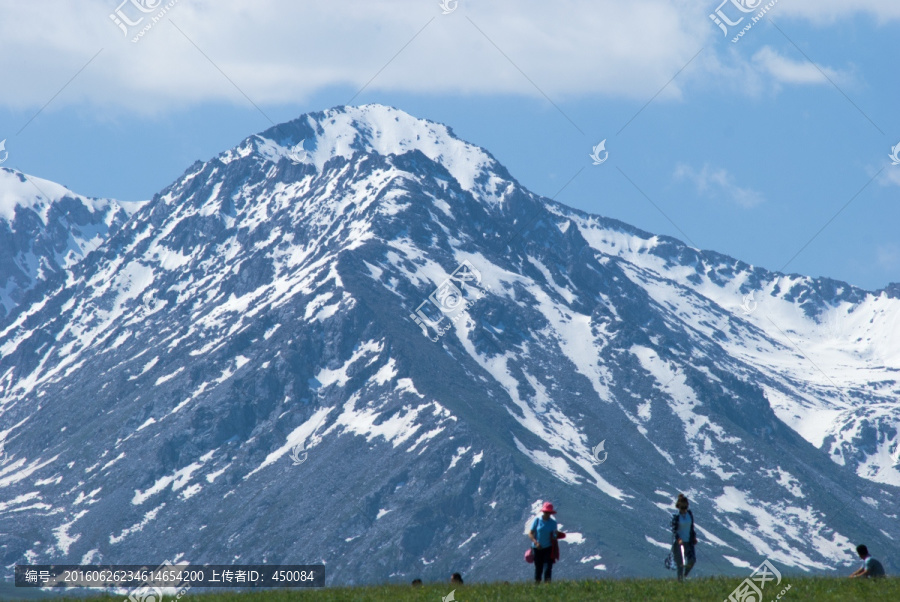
[683, 537]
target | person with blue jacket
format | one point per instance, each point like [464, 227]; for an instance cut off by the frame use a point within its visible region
[683, 537]
[543, 533]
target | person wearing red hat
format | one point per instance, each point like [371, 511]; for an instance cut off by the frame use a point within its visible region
[543, 534]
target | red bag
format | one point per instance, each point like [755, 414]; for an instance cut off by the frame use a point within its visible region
[554, 554]
[529, 556]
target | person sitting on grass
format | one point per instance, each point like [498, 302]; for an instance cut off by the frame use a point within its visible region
[871, 567]
[456, 578]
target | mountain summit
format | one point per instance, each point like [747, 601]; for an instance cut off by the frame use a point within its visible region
[355, 339]
[345, 132]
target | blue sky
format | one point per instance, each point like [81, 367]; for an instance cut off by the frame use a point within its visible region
[749, 148]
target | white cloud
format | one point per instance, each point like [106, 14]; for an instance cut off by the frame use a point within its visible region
[785, 70]
[283, 51]
[718, 183]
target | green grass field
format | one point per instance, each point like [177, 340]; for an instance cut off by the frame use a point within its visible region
[802, 589]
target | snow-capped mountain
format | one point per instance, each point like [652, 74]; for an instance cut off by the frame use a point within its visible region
[356, 339]
[827, 353]
[45, 228]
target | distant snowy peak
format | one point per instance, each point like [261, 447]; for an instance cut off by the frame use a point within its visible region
[18, 190]
[673, 258]
[828, 351]
[316, 138]
[45, 228]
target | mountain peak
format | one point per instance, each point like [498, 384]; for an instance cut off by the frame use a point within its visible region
[20, 190]
[46, 228]
[345, 131]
